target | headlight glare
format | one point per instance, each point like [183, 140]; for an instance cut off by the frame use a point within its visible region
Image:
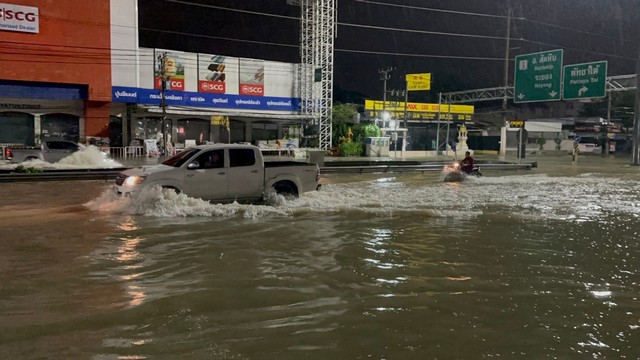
[134, 180]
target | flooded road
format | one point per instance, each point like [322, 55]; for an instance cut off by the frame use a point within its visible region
[528, 265]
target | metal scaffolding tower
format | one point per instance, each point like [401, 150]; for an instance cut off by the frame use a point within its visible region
[317, 33]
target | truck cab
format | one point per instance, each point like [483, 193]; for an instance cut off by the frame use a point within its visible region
[50, 151]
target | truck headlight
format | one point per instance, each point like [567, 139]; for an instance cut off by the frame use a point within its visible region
[134, 180]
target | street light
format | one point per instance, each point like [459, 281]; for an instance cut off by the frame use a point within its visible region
[385, 117]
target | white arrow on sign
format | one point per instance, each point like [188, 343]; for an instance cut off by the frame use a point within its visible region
[553, 93]
[582, 90]
[521, 96]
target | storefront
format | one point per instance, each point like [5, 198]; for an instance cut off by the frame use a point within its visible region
[27, 122]
[72, 69]
[257, 98]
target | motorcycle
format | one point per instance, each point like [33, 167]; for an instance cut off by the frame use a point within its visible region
[453, 172]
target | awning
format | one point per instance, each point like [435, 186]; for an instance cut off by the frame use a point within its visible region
[198, 111]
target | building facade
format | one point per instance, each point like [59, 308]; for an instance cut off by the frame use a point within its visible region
[73, 69]
[55, 70]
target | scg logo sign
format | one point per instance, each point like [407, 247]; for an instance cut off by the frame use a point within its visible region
[19, 18]
[176, 85]
[212, 87]
[6, 14]
[256, 90]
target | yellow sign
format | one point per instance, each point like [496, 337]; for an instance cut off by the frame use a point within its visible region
[397, 106]
[516, 123]
[220, 120]
[418, 82]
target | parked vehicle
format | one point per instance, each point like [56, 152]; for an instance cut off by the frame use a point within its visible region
[223, 173]
[50, 151]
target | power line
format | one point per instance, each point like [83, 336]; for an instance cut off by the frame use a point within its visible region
[220, 37]
[579, 50]
[419, 55]
[411, 30]
[566, 28]
[235, 10]
[524, 19]
[337, 49]
[432, 9]
[415, 31]
[340, 23]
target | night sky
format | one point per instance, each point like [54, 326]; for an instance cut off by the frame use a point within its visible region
[588, 30]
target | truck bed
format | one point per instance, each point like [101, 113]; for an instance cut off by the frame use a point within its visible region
[268, 164]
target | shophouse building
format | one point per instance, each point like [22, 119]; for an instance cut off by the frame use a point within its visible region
[74, 70]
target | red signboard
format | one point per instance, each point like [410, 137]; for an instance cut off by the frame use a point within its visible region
[218, 87]
[174, 84]
[252, 89]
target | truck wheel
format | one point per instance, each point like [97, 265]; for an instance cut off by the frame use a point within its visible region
[286, 188]
[172, 188]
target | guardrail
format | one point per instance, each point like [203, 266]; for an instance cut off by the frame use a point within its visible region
[278, 152]
[125, 152]
[418, 168]
[58, 175]
[110, 174]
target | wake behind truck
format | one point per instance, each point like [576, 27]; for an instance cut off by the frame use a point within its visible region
[50, 151]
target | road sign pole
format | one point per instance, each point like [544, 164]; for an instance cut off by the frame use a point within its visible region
[446, 144]
[438, 127]
[636, 118]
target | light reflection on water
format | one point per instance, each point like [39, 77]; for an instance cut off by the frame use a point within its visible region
[515, 265]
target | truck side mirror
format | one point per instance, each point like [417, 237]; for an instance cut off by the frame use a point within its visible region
[193, 165]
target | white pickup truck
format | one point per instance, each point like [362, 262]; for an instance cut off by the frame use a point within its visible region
[223, 173]
[50, 151]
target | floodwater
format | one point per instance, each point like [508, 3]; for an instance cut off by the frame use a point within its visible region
[518, 265]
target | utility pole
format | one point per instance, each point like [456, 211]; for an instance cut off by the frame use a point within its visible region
[606, 142]
[396, 95]
[503, 129]
[438, 126]
[385, 74]
[636, 117]
[162, 58]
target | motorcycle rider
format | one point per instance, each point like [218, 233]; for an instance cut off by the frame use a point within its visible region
[467, 163]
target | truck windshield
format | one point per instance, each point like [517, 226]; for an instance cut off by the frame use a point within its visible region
[180, 158]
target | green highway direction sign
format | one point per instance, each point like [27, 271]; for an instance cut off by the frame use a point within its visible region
[585, 81]
[538, 77]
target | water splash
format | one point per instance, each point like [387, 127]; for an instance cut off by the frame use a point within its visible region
[87, 157]
[527, 196]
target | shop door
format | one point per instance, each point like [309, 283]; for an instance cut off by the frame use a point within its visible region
[17, 128]
[60, 127]
[115, 131]
[197, 130]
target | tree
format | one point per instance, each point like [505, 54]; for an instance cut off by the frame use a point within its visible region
[342, 119]
[344, 112]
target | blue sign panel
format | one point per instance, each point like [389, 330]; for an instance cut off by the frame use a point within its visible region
[220, 101]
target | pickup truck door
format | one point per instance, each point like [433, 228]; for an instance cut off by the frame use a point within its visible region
[54, 151]
[208, 181]
[246, 174]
